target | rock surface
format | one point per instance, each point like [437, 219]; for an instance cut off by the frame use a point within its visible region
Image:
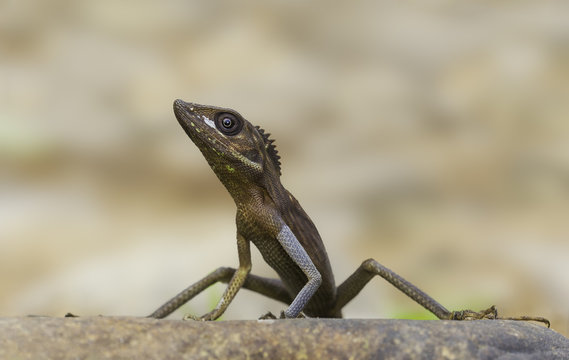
[141, 338]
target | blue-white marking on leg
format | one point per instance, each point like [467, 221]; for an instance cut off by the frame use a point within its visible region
[290, 244]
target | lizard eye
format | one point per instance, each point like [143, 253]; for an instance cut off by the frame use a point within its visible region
[228, 123]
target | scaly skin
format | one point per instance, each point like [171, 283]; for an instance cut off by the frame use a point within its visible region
[246, 161]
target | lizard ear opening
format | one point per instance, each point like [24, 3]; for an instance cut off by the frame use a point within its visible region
[253, 155]
[228, 123]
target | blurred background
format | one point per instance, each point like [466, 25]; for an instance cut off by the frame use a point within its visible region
[432, 136]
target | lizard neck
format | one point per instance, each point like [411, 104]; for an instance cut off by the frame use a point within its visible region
[252, 196]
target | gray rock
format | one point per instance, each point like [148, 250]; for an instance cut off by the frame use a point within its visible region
[141, 338]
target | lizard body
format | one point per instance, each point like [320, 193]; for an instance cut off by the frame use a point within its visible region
[245, 160]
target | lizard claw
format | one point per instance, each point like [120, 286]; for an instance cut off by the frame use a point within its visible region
[302, 315]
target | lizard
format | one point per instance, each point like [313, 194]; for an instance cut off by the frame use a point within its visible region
[246, 161]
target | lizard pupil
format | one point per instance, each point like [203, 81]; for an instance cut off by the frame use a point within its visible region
[227, 123]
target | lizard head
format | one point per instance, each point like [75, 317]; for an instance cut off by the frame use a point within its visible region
[236, 150]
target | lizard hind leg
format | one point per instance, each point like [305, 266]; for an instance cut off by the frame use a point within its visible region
[371, 268]
[272, 288]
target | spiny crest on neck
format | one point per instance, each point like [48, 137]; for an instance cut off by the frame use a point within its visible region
[270, 148]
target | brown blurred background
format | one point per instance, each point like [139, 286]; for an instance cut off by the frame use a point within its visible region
[433, 137]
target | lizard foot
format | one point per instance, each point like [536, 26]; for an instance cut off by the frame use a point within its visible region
[191, 317]
[268, 316]
[206, 317]
[492, 314]
[271, 316]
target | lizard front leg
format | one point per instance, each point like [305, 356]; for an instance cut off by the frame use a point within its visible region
[234, 284]
[294, 249]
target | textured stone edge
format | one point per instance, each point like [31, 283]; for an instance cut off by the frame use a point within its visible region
[142, 338]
